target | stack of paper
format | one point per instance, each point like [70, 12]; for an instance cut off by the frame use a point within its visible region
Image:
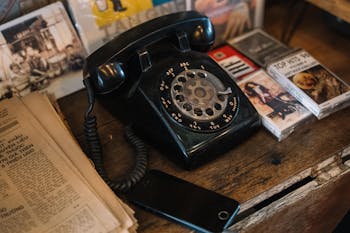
[47, 184]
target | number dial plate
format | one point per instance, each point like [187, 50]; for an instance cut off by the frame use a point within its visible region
[196, 98]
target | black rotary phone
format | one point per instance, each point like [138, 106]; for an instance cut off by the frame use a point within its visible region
[158, 77]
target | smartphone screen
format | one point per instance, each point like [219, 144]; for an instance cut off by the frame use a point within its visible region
[183, 202]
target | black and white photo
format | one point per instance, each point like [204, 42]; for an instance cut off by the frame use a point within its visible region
[40, 51]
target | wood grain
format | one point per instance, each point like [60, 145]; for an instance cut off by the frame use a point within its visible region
[339, 8]
[323, 204]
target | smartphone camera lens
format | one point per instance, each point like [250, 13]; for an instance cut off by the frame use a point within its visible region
[223, 215]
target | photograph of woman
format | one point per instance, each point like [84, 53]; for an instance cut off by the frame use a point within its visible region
[281, 104]
[271, 100]
[280, 111]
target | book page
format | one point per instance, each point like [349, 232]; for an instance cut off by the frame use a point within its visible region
[39, 191]
[40, 107]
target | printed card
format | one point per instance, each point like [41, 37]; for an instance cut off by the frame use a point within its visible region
[235, 63]
[281, 113]
[315, 86]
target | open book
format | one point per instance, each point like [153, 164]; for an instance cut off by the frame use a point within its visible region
[47, 184]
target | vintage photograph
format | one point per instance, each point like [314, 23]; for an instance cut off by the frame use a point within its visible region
[40, 51]
[272, 102]
[319, 84]
[230, 18]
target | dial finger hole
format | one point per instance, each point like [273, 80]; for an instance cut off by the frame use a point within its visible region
[180, 98]
[181, 79]
[209, 111]
[198, 112]
[187, 106]
[178, 88]
[202, 75]
[190, 74]
[217, 106]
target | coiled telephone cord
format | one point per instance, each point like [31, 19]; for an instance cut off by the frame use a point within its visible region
[95, 150]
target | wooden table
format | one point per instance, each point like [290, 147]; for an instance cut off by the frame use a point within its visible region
[339, 8]
[301, 184]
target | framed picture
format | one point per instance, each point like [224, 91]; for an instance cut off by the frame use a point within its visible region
[40, 51]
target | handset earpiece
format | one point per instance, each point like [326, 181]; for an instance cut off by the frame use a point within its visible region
[203, 36]
[109, 76]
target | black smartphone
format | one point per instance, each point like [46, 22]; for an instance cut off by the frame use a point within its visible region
[183, 202]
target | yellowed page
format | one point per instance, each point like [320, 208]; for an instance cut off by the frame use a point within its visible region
[41, 108]
[40, 193]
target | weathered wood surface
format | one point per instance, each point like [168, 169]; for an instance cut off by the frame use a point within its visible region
[339, 8]
[322, 202]
[257, 165]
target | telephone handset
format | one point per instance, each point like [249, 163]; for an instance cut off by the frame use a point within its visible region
[157, 76]
[108, 66]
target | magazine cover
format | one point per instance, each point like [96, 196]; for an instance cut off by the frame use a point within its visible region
[230, 17]
[235, 63]
[40, 51]
[280, 112]
[99, 21]
[259, 46]
[317, 88]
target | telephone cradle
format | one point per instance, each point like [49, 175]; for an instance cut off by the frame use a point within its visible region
[158, 77]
